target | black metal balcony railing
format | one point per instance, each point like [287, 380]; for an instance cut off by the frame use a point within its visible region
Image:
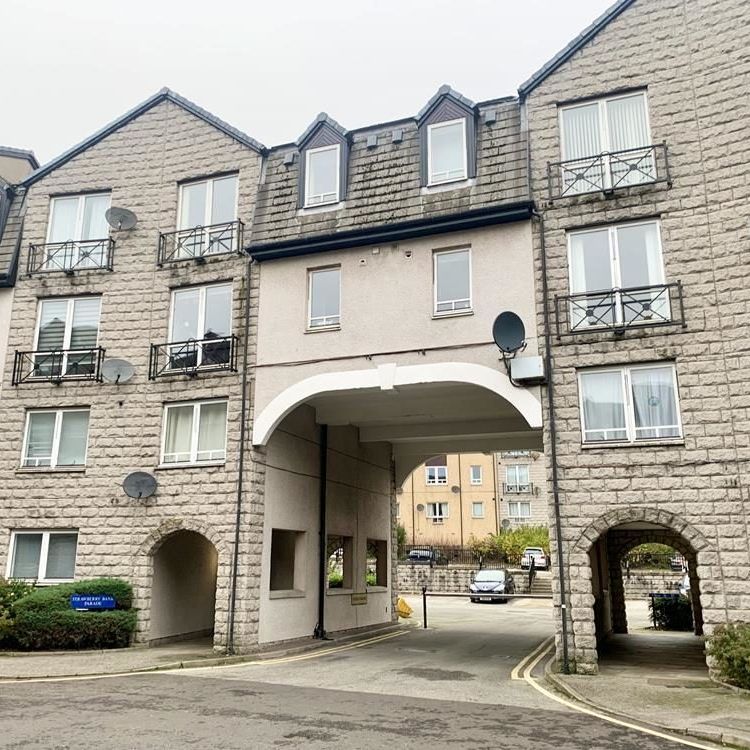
[193, 356]
[71, 256]
[609, 171]
[58, 365]
[619, 309]
[197, 243]
[518, 488]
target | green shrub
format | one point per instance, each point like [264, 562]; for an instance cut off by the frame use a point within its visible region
[44, 620]
[10, 592]
[671, 612]
[335, 580]
[730, 647]
[509, 544]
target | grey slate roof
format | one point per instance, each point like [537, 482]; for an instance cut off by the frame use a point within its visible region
[20, 153]
[164, 94]
[444, 90]
[322, 118]
[572, 47]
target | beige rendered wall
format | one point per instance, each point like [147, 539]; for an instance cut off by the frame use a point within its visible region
[359, 498]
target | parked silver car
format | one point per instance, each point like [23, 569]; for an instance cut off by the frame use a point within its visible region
[491, 586]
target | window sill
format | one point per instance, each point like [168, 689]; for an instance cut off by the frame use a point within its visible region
[290, 594]
[452, 314]
[444, 187]
[339, 592]
[202, 465]
[51, 470]
[323, 329]
[321, 208]
[376, 589]
[634, 444]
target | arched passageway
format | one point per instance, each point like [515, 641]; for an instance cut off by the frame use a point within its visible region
[183, 594]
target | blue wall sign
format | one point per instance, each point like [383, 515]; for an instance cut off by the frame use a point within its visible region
[85, 602]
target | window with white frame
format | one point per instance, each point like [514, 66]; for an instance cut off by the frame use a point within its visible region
[194, 432]
[617, 276]
[55, 438]
[593, 133]
[628, 404]
[324, 298]
[447, 156]
[452, 281]
[519, 510]
[437, 512]
[78, 220]
[208, 210]
[477, 510]
[436, 474]
[322, 175]
[517, 478]
[43, 556]
[200, 326]
[67, 331]
[475, 474]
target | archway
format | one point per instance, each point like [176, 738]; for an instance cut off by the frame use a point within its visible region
[183, 592]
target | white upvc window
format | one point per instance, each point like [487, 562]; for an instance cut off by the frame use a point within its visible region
[517, 478]
[475, 474]
[206, 216]
[200, 325]
[452, 281]
[477, 510]
[79, 220]
[42, 556]
[55, 438]
[437, 512]
[436, 474]
[617, 276]
[629, 404]
[447, 156]
[194, 432]
[324, 297]
[322, 175]
[604, 128]
[69, 325]
[519, 510]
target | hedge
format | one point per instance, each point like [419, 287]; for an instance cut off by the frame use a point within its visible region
[730, 647]
[671, 612]
[44, 619]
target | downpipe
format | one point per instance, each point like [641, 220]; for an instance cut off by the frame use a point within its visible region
[320, 628]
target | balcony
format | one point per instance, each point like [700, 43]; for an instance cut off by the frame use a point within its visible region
[608, 172]
[71, 256]
[199, 243]
[193, 357]
[518, 488]
[58, 365]
[618, 310]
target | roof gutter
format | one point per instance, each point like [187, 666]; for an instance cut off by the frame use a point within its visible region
[395, 232]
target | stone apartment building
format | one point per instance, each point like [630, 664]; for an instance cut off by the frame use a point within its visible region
[453, 498]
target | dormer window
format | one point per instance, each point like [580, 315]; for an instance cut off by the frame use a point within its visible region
[446, 151]
[322, 175]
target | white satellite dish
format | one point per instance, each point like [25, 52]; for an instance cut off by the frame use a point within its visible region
[120, 219]
[117, 370]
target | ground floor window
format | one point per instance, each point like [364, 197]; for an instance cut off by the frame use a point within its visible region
[44, 556]
[477, 510]
[377, 563]
[437, 512]
[287, 560]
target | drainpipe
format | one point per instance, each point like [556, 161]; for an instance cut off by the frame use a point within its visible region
[460, 502]
[320, 630]
[553, 443]
[240, 466]
[496, 493]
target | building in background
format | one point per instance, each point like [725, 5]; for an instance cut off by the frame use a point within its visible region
[453, 497]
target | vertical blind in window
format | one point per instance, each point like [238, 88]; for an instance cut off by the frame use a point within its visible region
[61, 556]
[39, 439]
[26, 555]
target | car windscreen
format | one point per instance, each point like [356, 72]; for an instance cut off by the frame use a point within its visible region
[490, 575]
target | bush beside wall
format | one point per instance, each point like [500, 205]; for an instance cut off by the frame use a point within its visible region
[730, 648]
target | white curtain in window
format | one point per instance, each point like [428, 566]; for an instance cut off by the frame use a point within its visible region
[193, 205]
[64, 219]
[73, 437]
[95, 225]
[212, 431]
[641, 265]
[61, 556]
[581, 132]
[626, 119]
[26, 553]
[603, 406]
[591, 265]
[39, 439]
[654, 403]
[224, 200]
[185, 314]
[218, 315]
[179, 432]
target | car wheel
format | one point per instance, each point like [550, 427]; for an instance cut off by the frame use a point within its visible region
[472, 600]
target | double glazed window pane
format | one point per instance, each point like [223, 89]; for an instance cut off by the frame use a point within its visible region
[447, 152]
[212, 432]
[74, 430]
[27, 553]
[179, 435]
[518, 477]
[322, 176]
[603, 406]
[325, 302]
[77, 219]
[201, 321]
[61, 556]
[56, 438]
[211, 203]
[195, 433]
[654, 403]
[39, 440]
[452, 281]
[45, 555]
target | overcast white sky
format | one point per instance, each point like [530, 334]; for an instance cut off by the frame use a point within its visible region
[71, 66]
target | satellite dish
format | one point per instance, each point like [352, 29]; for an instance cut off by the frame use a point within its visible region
[117, 370]
[455, 489]
[506, 523]
[139, 484]
[420, 508]
[509, 332]
[120, 219]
